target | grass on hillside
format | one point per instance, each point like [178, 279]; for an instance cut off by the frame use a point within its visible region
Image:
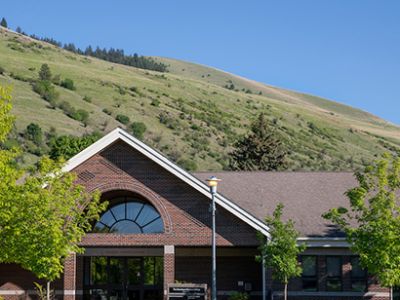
[190, 116]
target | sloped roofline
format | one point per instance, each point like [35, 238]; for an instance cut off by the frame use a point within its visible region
[161, 160]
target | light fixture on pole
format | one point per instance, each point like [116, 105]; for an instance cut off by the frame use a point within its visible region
[213, 183]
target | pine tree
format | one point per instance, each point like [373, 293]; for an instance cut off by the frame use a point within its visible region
[260, 150]
[3, 23]
[45, 73]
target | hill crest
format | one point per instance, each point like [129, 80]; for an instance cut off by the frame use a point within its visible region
[192, 113]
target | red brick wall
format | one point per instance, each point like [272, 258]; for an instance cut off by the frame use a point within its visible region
[169, 271]
[70, 277]
[184, 210]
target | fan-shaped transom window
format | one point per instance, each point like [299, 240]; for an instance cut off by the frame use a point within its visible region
[129, 217]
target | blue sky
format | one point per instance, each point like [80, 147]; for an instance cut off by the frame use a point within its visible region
[346, 50]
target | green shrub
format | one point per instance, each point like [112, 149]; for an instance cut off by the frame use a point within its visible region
[67, 108]
[138, 129]
[187, 164]
[155, 102]
[239, 296]
[20, 77]
[87, 98]
[121, 90]
[80, 115]
[195, 127]
[56, 79]
[68, 84]
[34, 133]
[46, 90]
[11, 143]
[107, 111]
[169, 121]
[122, 119]
[134, 89]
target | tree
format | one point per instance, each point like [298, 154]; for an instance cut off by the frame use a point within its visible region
[138, 129]
[6, 119]
[68, 84]
[44, 216]
[260, 150]
[67, 146]
[281, 250]
[372, 222]
[34, 133]
[18, 30]
[46, 90]
[3, 23]
[81, 115]
[45, 73]
[122, 119]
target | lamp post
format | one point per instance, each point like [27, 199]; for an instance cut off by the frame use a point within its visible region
[213, 183]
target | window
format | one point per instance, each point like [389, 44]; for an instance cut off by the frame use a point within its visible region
[396, 293]
[358, 275]
[129, 217]
[334, 273]
[309, 275]
[123, 278]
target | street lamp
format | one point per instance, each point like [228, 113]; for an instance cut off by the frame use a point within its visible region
[213, 183]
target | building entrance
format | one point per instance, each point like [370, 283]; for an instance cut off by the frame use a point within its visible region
[123, 278]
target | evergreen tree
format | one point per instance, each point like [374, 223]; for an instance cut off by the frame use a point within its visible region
[89, 51]
[260, 150]
[3, 23]
[19, 30]
[45, 73]
[34, 133]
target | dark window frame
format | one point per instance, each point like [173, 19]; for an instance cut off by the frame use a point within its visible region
[353, 278]
[108, 228]
[108, 286]
[339, 277]
[313, 278]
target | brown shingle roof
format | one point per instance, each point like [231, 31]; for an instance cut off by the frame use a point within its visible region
[306, 195]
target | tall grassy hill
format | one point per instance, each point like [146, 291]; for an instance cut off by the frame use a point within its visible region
[193, 113]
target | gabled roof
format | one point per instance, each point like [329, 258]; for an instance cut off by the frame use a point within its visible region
[196, 183]
[306, 196]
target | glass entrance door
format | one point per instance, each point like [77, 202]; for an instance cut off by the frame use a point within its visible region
[123, 278]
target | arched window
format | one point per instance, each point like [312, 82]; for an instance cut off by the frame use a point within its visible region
[129, 217]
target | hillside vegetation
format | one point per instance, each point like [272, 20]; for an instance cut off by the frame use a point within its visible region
[192, 113]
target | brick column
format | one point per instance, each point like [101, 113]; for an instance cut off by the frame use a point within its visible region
[69, 277]
[169, 267]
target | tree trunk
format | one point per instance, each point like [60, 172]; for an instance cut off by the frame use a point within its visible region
[391, 293]
[48, 290]
[285, 291]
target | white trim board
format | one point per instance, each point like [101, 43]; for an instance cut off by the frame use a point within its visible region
[152, 154]
[324, 242]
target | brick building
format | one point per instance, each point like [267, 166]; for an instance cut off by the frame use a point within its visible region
[157, 231]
